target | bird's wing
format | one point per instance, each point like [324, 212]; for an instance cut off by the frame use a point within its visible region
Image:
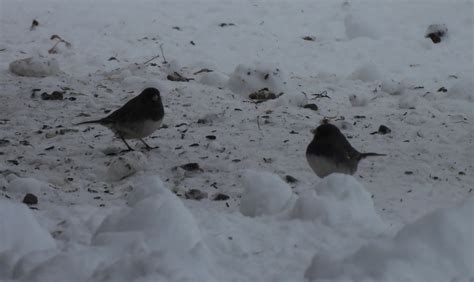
[331, 150]
[130, 112]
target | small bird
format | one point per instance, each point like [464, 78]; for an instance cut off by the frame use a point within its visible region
[330, 152]
[138, 118]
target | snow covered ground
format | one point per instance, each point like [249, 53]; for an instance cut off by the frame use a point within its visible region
[125, 217]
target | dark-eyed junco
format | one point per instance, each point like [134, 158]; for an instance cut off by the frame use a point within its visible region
[330, 152]
[137, 119]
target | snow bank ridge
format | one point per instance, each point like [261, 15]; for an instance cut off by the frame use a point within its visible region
[437, 247]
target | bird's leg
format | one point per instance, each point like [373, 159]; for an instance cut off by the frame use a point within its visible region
[148, 147]
[128, 146]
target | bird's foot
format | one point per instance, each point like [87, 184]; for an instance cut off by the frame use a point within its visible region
[151, 148]
[148, 147]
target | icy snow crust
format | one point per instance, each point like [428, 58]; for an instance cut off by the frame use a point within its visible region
[124, 217]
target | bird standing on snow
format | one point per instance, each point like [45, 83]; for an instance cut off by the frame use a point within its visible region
[330, 152]
[138, 118]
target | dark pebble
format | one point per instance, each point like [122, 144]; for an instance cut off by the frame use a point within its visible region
[221, 197]
[15, 162]
[313, 107]
[30, 199]
[290, 179]
[4, 142]
[190, 166]
[384, 129]
[56, 95]
[436, 32]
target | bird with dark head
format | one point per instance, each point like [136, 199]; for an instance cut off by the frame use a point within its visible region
[137, 119]
[330, 152]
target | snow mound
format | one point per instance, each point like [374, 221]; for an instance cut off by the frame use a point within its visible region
[265, 194]
[462, 90]
[357, 27]
[20, 234]
[214, 78]
[127, 165]
[437, 247]
[133, 82]
[67, 266]
[157, 239]
[162, 219]
[341, 202]
[35, 67]
[391, 87]
[359, 99]
[366, 73]
[290, 98]
[144, 187]
[408, 101]
[246, 79]
[157, 266]
[23, 186]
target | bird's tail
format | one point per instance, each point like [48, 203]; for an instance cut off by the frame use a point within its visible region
[365, 155]
[90, 121]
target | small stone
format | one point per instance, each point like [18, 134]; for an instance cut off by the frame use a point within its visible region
[226, 24]
[4, 142]
[30, 199]
[220, 197]
[15, 162]
[211, 137]
[313, 107]
[436, 32]
[34, 24]
[290, 179]
[56, 95]
[309, 38]
[384, 129]
[190, 166]
[263, 94]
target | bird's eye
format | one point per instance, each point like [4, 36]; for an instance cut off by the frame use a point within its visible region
[154, 97]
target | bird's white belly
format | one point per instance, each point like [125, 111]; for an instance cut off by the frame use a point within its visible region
[323, 166]
[139, 130]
